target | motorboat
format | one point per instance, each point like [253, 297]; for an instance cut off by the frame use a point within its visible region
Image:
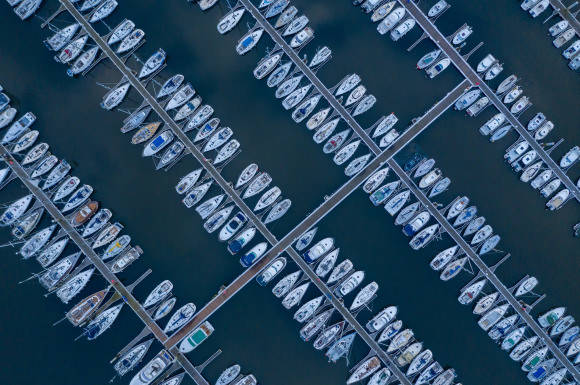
[285, 284]
[131, 41]
[107, 235]
[57, 41]
[120, 32]
[97, 222]
[233, 226]
[571, 50]
[182, 316]
[271, 271]
[517, 151]
[467, 99]
[382, 319]
[381, 12]
[327, 263]
[204, 5]
[492, 124]
[318, 250]
[249, 41]
[18, 128]
[188, 109]
[543, 369]
[153, 369]
[486, 63]
[437, 8]
[558, 200]
[570, 157]
[439, 67]
[549, 189]
[520, 105]
[462, 35]
[392, 19]
[125, 259]
[495, 70]
[442, 259]
[423, 237]
[350, 283]
[145, 133]
[477, 107]
[103, 11]
[506, 85]
[295, 25]
[403, 28]
[428, 59]
[254, 254]
[375, 180]
[230, 20]
[180, 97]
[526, 5]
[540, 7]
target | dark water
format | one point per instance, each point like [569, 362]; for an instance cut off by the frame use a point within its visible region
[253, 329]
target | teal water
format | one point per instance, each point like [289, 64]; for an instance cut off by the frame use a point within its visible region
[253, 329]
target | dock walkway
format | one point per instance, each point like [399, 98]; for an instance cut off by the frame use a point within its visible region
[565, 14]
[469, 73]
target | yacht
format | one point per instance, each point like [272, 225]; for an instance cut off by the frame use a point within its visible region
[365, 369]
[227, 151]
[321, 56]
[249, 41]
[562, 325]
[453, 269]
[390, 331]
[471, 292]
[481, 235]
[296, 25]
[493, 124]
[407, 356]
[116, 247]
[526, 286]
[200, 116]
[329, 335]
[120, 32]
[442, 259]
[188, 109]
[526, 5]
[278, 211]
[132, 357]
[241, 240]
[187, 182]
[131, 41]
[145, 133]
[397, 202]
[159, 293]
[348, 84]
[196, 194]
[550, 188]
[44, 166]
[534, 359]
[428, 59]
[305, 108]
[554, 378]
[72, 50]
[267, 65]
[153, 369]
[419, 362]
[486, 63]
[58, 272]
[570, 336]
[78, 197]
[364, 296]
[57, 41]
[350, 283]
[369, 5]
[295, 296]
[56, 175]
[500, 133]
[382, 319]
[467, 99]
[83, 214]
[513, 338]
[79, 313]
[296, 97]
[416, 223]
[327, 263]
[286, 17]
[7, 116]
[209, 206]
[326, 130]
[516, 152]
[422, 238]
[180, 97]
[318, 250]
[254, 254]
[495, 70]
[403, 28]
[18, 128]
[276, 8]
[536, 121]
[407, 213]
[506, 85]
[570, 157]
[389, 138]
[204, 5]
[400, 341]
[340, 271]
[437, 9]
[207, 130]
[97, 222]
[51, 252]
[233, 226]
[424, 167]
[391, 20]
[153, 64]
[492, 317]
[27, 8]
[511, 96]
[308, 309]
[271, 271]
[430, 178]
[102, 322]
[381, 12]
[279, 74]
[122, 261]
[28, 223]
[228, 375]
[285, 284]
[218, 139]
[216, 220]
[364, 105]
[288, 86]
[355, 95]
[315, 325]
[356, 165]
[247, 380]
[540, 7]
[485, 303]
[83, 62]
[439, 67]
[74, 285]
[478, 106]
[305, 239]
[384, 192]
[230, 20]
[115, 96]
[268, 198]
[465, 216]
[462, 35]
[385, 124]
[457, 207]
[103, 11]
[15, 210]
[520, 105]
[558, 200]
[502, 327]
[158, 143]
[523, 348]
[182, 316]
[170, 86]
[336, 141]
[571, 50]
[541, 371]
[340, 347]
[489, 244]
[375, 180]
[66, 188]
[260, 183]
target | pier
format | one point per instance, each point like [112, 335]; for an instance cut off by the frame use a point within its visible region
[469, 73]
[565, 14]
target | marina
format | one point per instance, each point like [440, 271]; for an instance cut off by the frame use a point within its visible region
[278, 245]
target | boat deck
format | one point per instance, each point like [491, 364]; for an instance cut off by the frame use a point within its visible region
[469, 73]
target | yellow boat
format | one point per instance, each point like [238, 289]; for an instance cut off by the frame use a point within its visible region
[145, 133]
